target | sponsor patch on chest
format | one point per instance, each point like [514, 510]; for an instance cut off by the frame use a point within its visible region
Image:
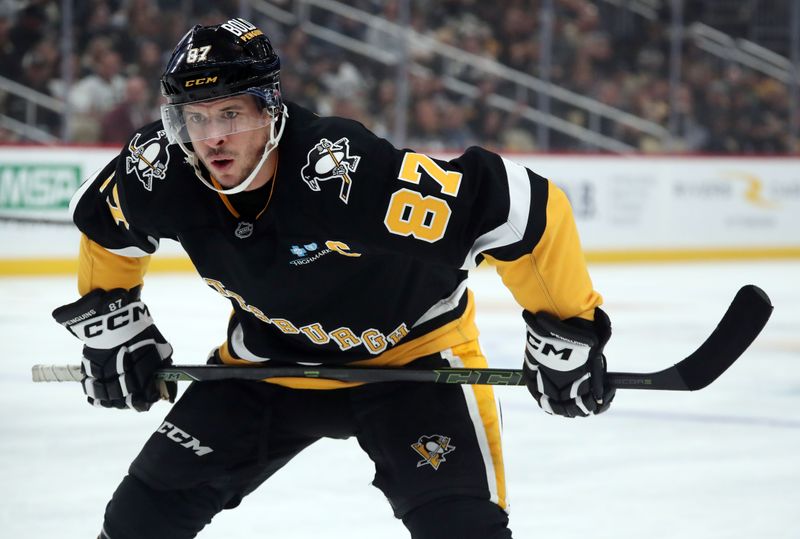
[306, 253]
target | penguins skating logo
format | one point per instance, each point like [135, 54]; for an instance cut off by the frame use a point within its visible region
[328, 160]
[432, 449]
[148, 160]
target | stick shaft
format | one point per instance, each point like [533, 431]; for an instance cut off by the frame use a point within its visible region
[204, 373]
[496, 377]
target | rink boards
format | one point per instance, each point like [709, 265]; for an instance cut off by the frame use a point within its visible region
[628, 208]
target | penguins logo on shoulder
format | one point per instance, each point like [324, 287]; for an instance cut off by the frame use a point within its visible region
[328, 160]
[148, 160]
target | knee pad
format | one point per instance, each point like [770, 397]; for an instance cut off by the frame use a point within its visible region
[465, 518]
[137, 510]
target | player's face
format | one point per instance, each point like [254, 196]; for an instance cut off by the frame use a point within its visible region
[229, 135]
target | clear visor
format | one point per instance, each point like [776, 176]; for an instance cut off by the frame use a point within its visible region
[216, 117]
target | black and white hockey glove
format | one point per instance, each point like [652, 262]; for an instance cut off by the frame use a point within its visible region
[122, 349]
[564, 364]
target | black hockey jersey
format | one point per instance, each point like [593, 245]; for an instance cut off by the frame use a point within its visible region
[360, 252]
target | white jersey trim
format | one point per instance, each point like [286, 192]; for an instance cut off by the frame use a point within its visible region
[443, 306]
[73, 202]
[480, 429]
[239, 349]
[519, 192]
[135, 252]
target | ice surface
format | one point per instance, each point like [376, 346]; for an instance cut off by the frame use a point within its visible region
[718, 463]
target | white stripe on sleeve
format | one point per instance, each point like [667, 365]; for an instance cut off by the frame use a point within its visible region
[519, 190]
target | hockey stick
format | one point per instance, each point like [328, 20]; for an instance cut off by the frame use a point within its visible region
[24, 220]
[741, 324]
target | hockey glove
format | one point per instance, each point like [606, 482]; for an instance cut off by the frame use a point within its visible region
[564, 364]
[122, 349]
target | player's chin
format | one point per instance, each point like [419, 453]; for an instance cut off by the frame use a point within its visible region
[229, 181]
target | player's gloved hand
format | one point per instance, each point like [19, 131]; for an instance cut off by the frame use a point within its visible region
[122, 349]
[564, 363]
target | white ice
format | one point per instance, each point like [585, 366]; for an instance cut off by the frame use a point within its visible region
[723, 462]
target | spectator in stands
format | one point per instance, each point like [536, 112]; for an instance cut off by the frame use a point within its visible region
[37, 73]
[30, 26]
[621, 61]
[382, 38]
[9, 54]
[8, 137]
[455, 130]
[382, 105]
[425, 126]
[96, 94]
[142, 19]
[135, 110]
[149, 64]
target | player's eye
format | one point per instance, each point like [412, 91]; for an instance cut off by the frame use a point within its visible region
[230, 114]
[195, 119]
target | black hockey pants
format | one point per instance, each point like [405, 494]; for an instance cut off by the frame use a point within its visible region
[435, 450]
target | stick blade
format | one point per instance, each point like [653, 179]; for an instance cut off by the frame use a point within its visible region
[746, 317]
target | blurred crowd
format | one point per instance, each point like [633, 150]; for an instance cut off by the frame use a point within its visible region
[598, 50]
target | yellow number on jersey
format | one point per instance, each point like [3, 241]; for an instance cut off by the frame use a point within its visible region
[449, 180]
[411, 214]
[423, 217]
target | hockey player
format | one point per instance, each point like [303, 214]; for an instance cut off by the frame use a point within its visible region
[335, 248]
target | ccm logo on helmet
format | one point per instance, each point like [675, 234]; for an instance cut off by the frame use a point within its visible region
[118, 319]
[199, 82]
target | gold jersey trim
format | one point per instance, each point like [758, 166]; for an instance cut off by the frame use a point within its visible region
[447, 336]
[99, 268]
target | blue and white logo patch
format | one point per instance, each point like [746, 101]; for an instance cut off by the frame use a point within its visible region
[307, 253]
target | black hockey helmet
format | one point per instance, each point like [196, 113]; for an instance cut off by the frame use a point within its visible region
[211, 63]
[219, 60]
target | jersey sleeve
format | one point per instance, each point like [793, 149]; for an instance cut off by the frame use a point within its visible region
[113, 252]
[481, 206]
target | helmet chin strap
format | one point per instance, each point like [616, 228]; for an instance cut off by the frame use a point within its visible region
[271, 144]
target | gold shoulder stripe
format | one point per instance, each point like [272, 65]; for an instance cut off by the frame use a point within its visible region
[106, 182]
[116, 208]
